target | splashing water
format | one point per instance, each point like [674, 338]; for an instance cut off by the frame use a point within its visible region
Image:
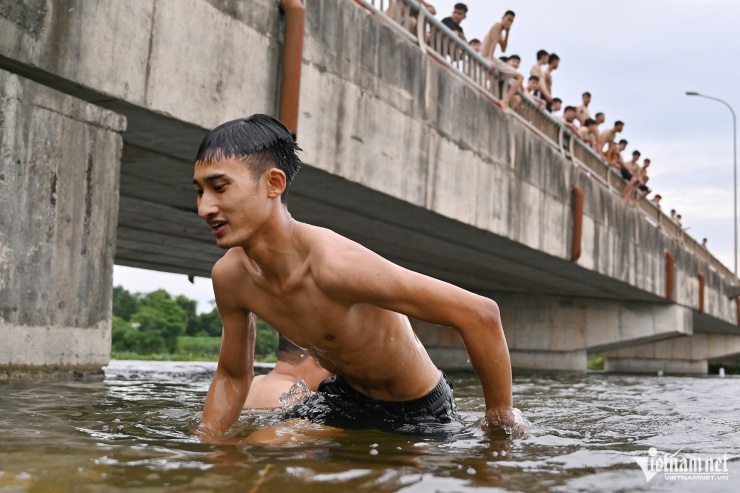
[298, 393]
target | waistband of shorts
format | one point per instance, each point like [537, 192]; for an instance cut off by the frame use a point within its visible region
[442, 391]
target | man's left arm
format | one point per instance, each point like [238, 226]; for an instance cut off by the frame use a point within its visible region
[369, 278]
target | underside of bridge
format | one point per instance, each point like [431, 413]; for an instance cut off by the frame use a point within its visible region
[159, 229]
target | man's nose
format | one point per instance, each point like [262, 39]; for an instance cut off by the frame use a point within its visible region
[206, 206]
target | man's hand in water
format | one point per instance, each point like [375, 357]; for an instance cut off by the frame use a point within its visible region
[502, 422]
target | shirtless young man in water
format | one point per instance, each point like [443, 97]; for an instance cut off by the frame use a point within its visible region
[343, 304]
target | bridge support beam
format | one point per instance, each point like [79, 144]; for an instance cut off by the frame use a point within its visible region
[547, 333]
[677, 355]
[59, 172]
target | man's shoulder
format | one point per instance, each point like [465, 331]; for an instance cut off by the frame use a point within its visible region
[332, 258]
[447, 21]
[230, 264]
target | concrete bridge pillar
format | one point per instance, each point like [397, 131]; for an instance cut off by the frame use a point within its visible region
[677, 355]
[59, 176]
[548, 333]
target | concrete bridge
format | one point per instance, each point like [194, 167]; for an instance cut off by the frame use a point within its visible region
[104, 104]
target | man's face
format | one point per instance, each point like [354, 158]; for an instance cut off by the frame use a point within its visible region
[458, 15]
[621, 146]
[554, 64]
[592, 128]
[533, 85]
[513, 62]
[475, 46]
[556, 105]
[600, 119]
[646, 163]
[586, 99]
[619, 127]
[635, 157]
[569, 116]
[230, 200]
[507, 21]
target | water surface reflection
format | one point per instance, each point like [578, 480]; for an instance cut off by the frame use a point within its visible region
[133, 432]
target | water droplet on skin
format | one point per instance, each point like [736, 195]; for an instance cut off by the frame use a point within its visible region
[374, 452]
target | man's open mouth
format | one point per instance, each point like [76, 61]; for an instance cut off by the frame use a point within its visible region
[218, 227]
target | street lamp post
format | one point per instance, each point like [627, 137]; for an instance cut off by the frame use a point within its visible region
[734, 157]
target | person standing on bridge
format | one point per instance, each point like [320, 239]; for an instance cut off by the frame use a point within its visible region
[459, 13]
[499, 36]
[343, 304]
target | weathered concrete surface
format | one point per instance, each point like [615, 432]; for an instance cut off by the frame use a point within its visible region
[460, 158]
[59, 161]
[678, 355]
[200, 62]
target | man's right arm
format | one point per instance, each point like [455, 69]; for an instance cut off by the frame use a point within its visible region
[234, 373]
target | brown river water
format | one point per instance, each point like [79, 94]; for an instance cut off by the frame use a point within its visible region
[133, 432]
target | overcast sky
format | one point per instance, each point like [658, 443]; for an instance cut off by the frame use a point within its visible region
[637, 58]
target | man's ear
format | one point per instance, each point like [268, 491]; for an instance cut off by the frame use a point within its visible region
[276, 182]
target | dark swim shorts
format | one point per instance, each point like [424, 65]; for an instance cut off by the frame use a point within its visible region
[337, 404]
[625, 173]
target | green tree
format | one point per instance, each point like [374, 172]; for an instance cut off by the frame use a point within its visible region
[160, 321]
[192, 323]
[125, 337]
[210, 323]
[125, 304]
[267, 339]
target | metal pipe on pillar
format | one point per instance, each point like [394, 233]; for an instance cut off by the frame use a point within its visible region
[290, 84]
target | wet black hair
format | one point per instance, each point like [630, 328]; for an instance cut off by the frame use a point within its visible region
[534, 78]
[599, 113]
[510, 12]
[589, 121]
[474, 40]
[552, 58]
[515, 57]
[623, 141]
[260, 140]
[569, 108]
[461, 6]
[586, 94]
[542, 53]
[557, 100]
[618, 122]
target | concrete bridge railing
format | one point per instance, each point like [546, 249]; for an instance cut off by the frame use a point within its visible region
[438, 41]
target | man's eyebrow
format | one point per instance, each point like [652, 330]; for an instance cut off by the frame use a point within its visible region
[208, 178]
